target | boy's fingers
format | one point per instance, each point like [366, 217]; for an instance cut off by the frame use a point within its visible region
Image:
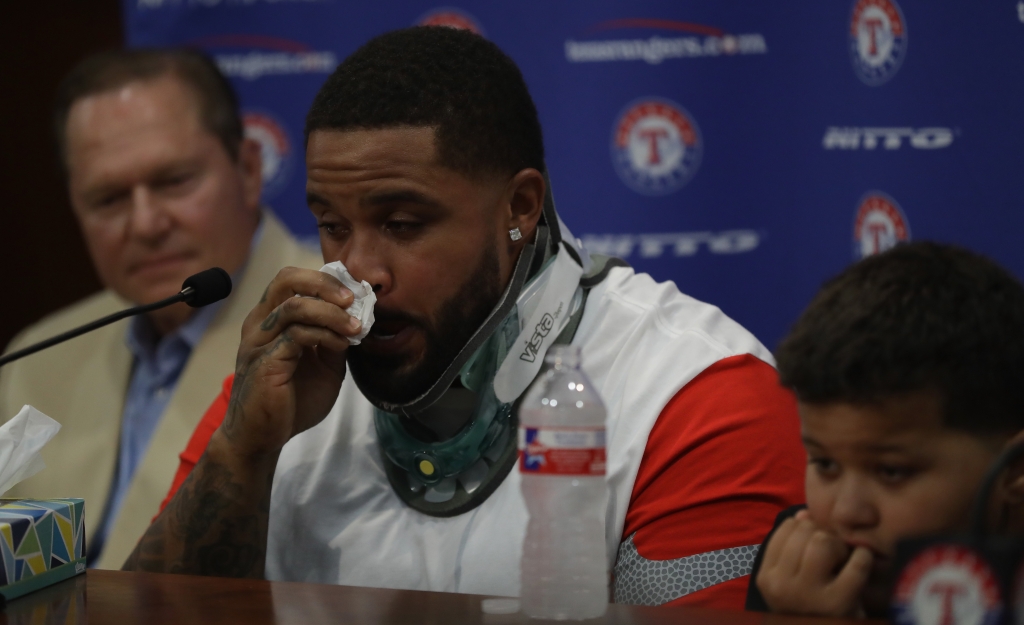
[793, 552]
[802, 514]
[854, 575]
[773, 550]
[823, 554]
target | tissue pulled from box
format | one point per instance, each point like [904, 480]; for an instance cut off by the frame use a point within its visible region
[21, 438]
[362, 307]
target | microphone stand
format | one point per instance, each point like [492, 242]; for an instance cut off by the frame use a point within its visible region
[183, 296]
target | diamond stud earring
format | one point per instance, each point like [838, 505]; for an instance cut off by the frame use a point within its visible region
[514, 234]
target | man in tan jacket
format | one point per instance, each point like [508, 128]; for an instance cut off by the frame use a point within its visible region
[164, 184]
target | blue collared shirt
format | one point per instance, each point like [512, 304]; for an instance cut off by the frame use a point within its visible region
[158, 364]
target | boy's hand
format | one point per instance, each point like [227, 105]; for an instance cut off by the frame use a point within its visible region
[808, 570]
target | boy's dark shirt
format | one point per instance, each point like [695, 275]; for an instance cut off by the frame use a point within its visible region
[755, 602]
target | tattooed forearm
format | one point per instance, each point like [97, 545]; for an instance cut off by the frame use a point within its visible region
[215, 525]
[235, 553]
[149, 550]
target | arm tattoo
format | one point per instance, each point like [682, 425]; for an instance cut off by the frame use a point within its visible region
[236, 410]
[242, 386]
[215, 525]
[271, 320]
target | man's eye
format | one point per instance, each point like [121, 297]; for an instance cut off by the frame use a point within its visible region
[172, 182]
[329, 228]
[893, 474]
[403, 227]
[106, 201]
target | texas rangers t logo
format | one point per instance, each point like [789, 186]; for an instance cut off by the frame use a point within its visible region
[452, 18]
[878, 40]
[947, 584]
[656, 146]
[275, 151]
[878, 225]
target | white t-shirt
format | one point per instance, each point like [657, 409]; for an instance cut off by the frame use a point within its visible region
[335, 519]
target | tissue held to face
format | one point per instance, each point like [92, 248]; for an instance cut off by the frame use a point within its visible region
[882, 472]
[431, 241]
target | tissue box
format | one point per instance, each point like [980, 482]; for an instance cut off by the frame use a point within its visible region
[42, 541]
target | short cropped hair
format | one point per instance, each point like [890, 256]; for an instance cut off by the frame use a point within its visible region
[107, 71]
[919, 317]
[429, 76]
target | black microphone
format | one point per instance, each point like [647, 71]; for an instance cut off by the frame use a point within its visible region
[205, 287]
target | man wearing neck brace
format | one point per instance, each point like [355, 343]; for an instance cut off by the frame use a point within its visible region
[391, 462]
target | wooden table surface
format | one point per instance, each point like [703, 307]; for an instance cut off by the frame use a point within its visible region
[117, 598]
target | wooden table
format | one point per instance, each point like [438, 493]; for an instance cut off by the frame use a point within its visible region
[116, 598]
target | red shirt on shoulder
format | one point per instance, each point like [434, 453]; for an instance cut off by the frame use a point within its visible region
[723, 458]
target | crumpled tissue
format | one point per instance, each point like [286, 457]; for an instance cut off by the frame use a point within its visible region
[21, 438]
[362, 307]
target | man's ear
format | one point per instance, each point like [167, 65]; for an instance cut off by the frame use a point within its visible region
[250, 165]
[525, 193]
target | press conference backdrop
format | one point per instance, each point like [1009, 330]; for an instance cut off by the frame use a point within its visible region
[746, 150]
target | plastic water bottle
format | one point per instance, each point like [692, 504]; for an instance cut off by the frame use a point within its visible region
[562, 465]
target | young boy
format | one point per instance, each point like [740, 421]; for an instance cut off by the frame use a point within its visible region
[909, 372]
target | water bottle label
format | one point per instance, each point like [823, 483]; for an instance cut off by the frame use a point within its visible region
[562, 451]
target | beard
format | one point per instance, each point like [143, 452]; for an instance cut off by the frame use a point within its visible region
[399, 379]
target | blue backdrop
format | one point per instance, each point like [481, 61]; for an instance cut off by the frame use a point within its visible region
[745, 150]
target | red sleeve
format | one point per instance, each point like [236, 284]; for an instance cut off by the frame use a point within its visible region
[200, 439]
[722, 460]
